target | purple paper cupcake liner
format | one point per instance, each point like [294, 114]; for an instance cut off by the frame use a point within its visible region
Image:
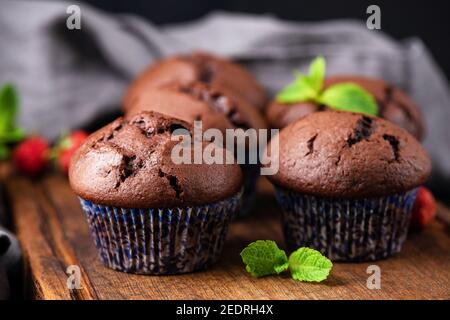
[346, 229]
[160, 241]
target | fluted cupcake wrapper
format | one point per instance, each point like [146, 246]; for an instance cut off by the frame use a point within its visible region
[160, 241]
[347, 229]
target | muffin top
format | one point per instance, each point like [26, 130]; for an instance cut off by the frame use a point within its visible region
[349, 155]
[199, 101]
[128, 164]
[394, 105]
[224, 75]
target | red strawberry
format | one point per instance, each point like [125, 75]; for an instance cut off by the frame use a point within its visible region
[67, 147]
[424, 209]
[31, 155]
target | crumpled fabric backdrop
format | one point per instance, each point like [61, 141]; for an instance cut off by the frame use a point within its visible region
[67, 77]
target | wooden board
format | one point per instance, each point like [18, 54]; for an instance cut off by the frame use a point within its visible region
[54, 234]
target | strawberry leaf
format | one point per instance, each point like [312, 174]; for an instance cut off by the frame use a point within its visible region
[9, 102]
[4, 152]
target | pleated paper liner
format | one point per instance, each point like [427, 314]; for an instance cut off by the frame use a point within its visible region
[347, 229]
[160, 241]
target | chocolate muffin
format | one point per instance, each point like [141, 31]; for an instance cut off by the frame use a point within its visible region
[222, 74]
[347, 183]
[200, 101]
[394, 105]
[146, 213]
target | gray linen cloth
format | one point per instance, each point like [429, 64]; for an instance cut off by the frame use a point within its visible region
[69, 77]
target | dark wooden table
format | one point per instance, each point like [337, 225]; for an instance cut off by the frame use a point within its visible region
[53, 233]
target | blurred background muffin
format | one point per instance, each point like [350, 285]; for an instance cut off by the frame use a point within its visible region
[219, 73]
[394, 105]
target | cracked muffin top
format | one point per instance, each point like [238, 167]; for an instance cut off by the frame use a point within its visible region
[222, 74]
[128, 164]
[394, 105]
[200, 101]
[349, 155]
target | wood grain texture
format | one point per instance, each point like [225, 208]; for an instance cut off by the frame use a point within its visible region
[54, 234]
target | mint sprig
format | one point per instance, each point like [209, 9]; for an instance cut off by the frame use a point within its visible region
[9, 108]
[307, 264]
[348, 96]
[299, 90]
[342, 96]
[316, 73]
[263, 257]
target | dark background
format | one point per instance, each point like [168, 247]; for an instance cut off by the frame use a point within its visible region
[428, 20]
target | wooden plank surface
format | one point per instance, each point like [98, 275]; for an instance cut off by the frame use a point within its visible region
[54, 234]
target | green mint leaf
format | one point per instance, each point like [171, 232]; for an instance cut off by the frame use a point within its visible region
[305, 87]
[308, 264]
[263, 257]
[9, 102]
[317, 73]
[349, 96]
[297, 91]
